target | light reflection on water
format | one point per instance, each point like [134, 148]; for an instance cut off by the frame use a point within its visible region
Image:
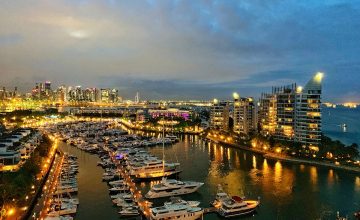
[286, 190]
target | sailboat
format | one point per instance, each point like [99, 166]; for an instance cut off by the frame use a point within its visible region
[153, 168]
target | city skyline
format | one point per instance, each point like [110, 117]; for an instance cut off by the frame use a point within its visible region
[198, 50]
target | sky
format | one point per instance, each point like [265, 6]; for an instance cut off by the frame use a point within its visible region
[173, 49]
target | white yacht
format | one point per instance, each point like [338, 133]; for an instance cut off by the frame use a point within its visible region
[154, 169]
[172, 187]
[129, 211]
[176, 211]
[117, 183]
[62, 209]
[233, 206]
[74, 201]
[178, 200]
[58, 218]
[173, 138]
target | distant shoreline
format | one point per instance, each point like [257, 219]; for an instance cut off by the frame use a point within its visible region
[288, 159]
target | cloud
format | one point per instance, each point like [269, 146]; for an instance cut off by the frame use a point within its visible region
[250, 44]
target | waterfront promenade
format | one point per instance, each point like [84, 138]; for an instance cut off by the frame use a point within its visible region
[284, 158]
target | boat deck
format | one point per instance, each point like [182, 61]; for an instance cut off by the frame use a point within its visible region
[209, 210]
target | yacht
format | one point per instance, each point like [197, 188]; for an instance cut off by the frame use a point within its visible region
[176, 211]
[156, 168]
[58, 218]
[62, 209]
[117, 183]
[74, 201]
[121, 195]
[178, 200]
[117, 189]
[233, 206]
[172, 187]
[173, 138]
[129, 212]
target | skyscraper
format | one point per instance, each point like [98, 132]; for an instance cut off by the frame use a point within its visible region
[243, 115]
[308, 113]
[267, 114]
[285, 111]
[104, 94]
[219, 115]
[293, 113]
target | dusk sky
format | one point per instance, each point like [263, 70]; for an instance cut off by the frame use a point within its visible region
[182, 49]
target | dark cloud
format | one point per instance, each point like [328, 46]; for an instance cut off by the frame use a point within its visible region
[182, 49]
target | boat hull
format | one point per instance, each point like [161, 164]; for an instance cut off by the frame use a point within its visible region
[170, 194]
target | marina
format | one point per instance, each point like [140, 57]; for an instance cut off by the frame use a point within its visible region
[124, 163]
[124, 195]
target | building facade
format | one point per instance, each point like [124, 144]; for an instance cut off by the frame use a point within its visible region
[308, 113]
[267, 114]
[244, 115]
[170, 113]
[285, 112]
[293, 113]
[219, 115]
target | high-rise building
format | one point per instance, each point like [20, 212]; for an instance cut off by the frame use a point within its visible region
[285, 112]
[113, 96]
[137, 98]
[61, 94]
[219, 115]
[3, 94]
[47, 87]
[105, 95]
[267, 114]
[244, 115]
[90, 95]
[293, 113]
[308, 113]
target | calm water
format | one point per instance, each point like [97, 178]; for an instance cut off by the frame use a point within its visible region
[93, 194]
[287, 191]
[332, 118]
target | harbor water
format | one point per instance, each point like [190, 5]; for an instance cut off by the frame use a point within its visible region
[286, 190]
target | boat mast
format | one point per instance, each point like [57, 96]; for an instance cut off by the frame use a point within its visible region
[163, 145]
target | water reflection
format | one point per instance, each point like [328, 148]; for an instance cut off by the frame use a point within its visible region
[278, 168]
[286, 190]
[313, 176]
[331, 177]
[266, 169]
[254, 162]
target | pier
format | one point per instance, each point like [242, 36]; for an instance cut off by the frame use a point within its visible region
[143, 204]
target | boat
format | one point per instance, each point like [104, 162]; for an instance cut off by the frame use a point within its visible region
[118, 189]
[172, 187]
[58, 218]
[125, 198]
[178, 200]
[154, 168]
[117, 182]
[62, 209]
[63, 189]
[176, 211]
[129, 212]
[233, 206]
[108, 177]
[74, 201]
[173, 138]
[121, 195]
